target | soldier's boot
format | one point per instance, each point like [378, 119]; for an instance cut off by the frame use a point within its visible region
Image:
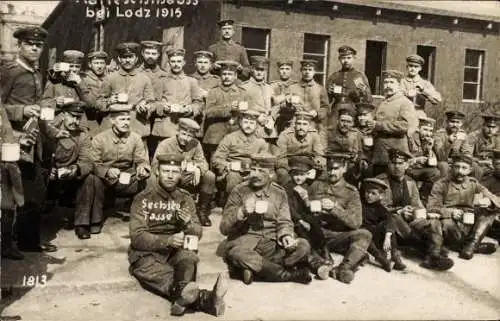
[247, 276]
[342, 273]
[183, 292]
[276, 273]
[437, 262]
[396, 255]
[380, 257]
[319, 265]
[9, 247]
[325, 254]
[470, 247]
[204, 209]
[212, 302]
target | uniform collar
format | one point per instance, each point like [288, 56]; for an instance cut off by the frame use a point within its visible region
[458, 185]
[90, 74]
[25, 65]
[397, 95]
[179, 76]
[119, 139]
[346, 69]
[227, 43]
[197, 75]
[415, 79]
[263, 192]
[153, 70]
[228, 88]
[262, 83]
[132, 72]
[335, 187]
[163, 192]
[307, 84]
[245, 136]
[302, 139]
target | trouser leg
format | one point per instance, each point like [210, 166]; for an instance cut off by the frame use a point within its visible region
[232, 179]
[353, 245]
[85, 214]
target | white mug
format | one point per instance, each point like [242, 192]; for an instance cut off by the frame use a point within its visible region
[122, 98]
[337, 89]
[478, 197]
[243, 105]
[368, 141]
[11, 152]
[47, 113]
[468, 218]
[420, 213]
[124, 178]
[316, 206]
[190, 167]
[191, 242]
[61, 171]
[295, 99]
[261, 207]
[236, 166]
[68, 100]
[412, 93]
[432, 161]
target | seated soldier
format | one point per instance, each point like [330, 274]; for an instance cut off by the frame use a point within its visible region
[196, 173]
[450, 141]
[365, 113]
[301, 139]
[412, 223]
[466, 209]
[164, 234]
[121, 163]
[482, 141]
[423, 164]
[338, 206]
[71, 166]
[491, 181]
[260, 238]
[306, 225]
[237, 148]
[379, 221]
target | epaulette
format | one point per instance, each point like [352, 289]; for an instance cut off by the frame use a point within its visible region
[10, 64]
[351, 187]
[473, 179]
[241, 87]
[183, 191]
[278, 186]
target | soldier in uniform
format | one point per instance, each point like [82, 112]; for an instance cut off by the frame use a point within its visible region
[260, 238]
[235, 150]
[72, 164]
[491, 181]
[182, 97]
[417, 89]
[121, 164]
[423, 164]
[451, 140]
[228, 49]
[339, 210]
[197, 175]
[302, 139]
[151, 52]
[464, 220]
[203, 63]
[411, 223]
[93, 79]
[281, 90]
[128, 85]
[21, 90]
[482, 141]
[221, 104]
[394, 121]
[311, 94]
[163, 220]
[365, 112]
[348, 84]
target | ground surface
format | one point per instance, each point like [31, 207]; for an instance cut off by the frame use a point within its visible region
[89, 280]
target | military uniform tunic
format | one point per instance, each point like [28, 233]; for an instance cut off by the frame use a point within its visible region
[288, 144]
[419, 98]
[353, 85]
[314, 98]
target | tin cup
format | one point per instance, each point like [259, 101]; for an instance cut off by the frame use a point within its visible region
[61, 171]
[478, 197]
[315, 206]
[432, 161]
[190, 242]
[190, 167]
[122, 98]
[261, 207]
[236, 166]
[243, 105]
[420, 213]
[11, 152]
[47, 113]
[294, 99]
[368, 141]
[124, 178]
[468, 218]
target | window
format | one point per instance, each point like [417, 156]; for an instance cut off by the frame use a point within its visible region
[376, 52]
[429, 55]
[256, 41]
[473, 75]
[316, 47]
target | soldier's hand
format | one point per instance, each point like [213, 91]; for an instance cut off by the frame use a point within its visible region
[184, 216]
[25, 141]
[331, 88]
[31, 111]
[370, 123]
[288, 242]
[305, 225]
[74, 78]
[327, 204]
[420, 159]
[142, 172]
[387, 242]
[60, 100]
[113, 99]
[142, 107]
[53, 174]
[113, 173]
[176, 240]
[408, 210]
[457, 214]
[188, 176]
[313, 113]
[249, 205]
[363, 165]
[303, 194]
[62, 134]
[262, 120]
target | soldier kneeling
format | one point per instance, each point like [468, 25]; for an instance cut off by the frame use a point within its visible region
[164, 232]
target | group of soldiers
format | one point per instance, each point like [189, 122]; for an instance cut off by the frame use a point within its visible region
[301, 170]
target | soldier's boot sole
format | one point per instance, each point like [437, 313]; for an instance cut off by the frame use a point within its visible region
[218, 293]
[247, 276]
[323, 272]
[188, 296]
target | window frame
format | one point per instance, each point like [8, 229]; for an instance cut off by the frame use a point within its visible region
[480, 75]
[267, 41]
[325, 55]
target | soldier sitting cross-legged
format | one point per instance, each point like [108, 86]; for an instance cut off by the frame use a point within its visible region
[164, 234]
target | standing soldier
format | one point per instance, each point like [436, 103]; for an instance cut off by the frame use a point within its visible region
[302, 139]
[93, 79]
[348, 84]
[228, 49]
[259, 229]
[394, 121]
[195, 174]
[151, 51]
[181, 97]
[203, 64]
[235, 150]
[281, 90]
[450, 141]
[338, 205]
[221, 103]
[21, 89]
[365, 113]
[417, 89]
[312, 94]
[465, 218]
[423, 165]
[128, 85]
[482, 142]
[164, 232]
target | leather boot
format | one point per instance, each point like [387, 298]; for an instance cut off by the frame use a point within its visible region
[396, 255]
[204, 209]
[478, 234]
[183, 292]
[9, 248]
[319, 265]
[380, 257]
[247, 276]
[276, 273]
[82, 232]
[342, 273]
[212, 302]
[437, 262]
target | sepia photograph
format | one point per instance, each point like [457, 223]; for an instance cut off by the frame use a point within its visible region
[249, 160]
